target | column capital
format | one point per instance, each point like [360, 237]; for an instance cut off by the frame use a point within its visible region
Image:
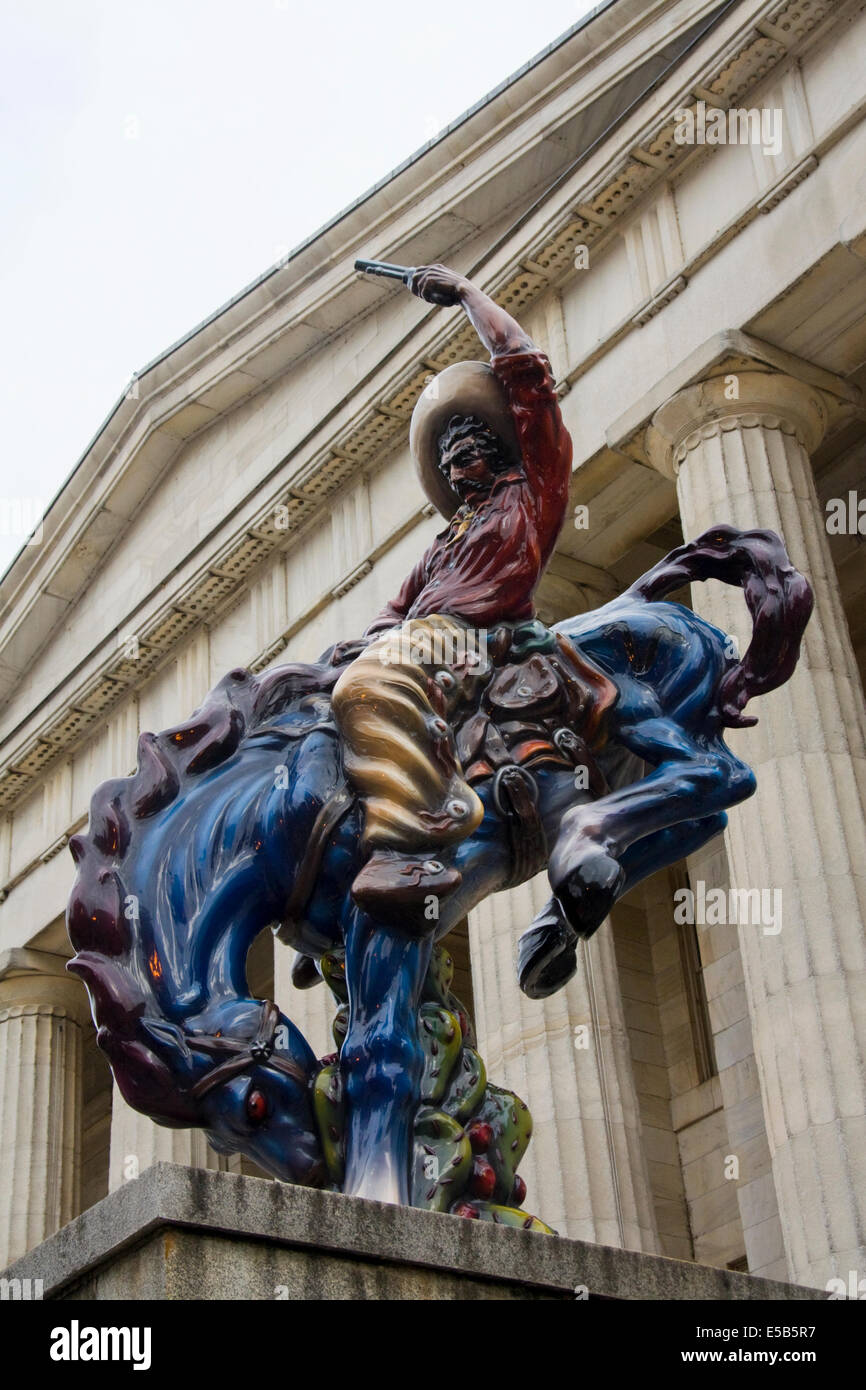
[729, 353]
[734, 400]
[37, 982]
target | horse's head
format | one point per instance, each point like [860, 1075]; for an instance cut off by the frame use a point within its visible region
[266, 1116]
[253, 1095]
[241, 1072]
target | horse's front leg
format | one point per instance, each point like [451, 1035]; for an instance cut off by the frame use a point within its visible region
[381, 1058]
[691, 781]
[547, 950]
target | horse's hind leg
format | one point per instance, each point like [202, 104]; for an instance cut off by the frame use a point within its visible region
[381, 1058]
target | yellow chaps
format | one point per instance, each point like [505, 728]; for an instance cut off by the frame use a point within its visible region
[398, 751]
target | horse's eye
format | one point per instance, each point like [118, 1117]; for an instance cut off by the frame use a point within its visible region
[257, 1106]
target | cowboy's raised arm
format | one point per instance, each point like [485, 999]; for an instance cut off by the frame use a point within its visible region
[498, 331]
[524, 373]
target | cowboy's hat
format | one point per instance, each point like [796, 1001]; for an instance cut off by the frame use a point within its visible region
[466, 388]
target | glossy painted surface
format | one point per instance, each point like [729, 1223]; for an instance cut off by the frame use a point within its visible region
[184, 863]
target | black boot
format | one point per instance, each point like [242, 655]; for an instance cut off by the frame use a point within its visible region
[404, 889]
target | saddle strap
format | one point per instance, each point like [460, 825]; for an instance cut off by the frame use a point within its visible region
[329, 817]
[515, 796]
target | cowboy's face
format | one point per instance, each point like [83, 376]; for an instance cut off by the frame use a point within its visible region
[467, 465]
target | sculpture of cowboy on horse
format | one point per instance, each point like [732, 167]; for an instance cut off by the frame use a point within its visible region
[455, 750]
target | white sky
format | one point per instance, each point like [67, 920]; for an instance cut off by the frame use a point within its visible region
[159, 155]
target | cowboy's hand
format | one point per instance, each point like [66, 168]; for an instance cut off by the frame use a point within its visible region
[438, 285]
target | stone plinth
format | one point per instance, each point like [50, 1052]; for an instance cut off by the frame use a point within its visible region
[182, 1233]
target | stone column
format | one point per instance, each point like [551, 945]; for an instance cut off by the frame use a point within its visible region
[311, 1010]
[42, 1014]
[137, 1143]
[738, 446]
[568, 1057]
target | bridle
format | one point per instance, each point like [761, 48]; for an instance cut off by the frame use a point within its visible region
[243, 1055]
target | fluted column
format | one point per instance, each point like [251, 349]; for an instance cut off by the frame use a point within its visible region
[42, 1014]
[738, 446]
[137, 1143]
[311, 1010]
[568, 1058]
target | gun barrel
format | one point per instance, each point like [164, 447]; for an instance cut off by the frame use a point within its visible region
[391, 272]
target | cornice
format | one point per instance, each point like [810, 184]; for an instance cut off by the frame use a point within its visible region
[278, 319]
[584, 212]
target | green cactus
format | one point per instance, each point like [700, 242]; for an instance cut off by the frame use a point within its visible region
[442, 1160]
[503, 1216]
[441, 1038]
[333, 967]
[329, 1109]
[469, 1136]
[467, 1086]
[511, 1123]
[437, 988]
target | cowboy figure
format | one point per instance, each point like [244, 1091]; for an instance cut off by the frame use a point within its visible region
[494, 457]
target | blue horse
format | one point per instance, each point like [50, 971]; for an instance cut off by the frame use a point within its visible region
[240, 819]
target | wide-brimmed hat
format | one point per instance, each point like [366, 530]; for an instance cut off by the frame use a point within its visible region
[466, 388]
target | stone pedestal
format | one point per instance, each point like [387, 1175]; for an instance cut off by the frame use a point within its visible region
[180, 1234]
[42, 1013]
[738, 445]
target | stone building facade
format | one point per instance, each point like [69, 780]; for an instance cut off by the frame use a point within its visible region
[251, 499]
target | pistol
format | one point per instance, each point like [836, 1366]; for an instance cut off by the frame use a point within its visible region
[391, 272]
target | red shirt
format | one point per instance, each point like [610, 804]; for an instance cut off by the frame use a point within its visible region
[484, 567]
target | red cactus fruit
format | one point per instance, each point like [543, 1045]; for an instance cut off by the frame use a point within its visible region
[518, 1191]
[482, 1181]
[464, 1209]
[480, 1136]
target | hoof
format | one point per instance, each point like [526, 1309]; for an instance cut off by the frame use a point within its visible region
[588, 892]
[305, 973]
[546, 955]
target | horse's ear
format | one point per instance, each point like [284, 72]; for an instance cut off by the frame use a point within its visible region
[165, 1034]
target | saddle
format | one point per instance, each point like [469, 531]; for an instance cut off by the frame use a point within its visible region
[546, 707]
[543, 706]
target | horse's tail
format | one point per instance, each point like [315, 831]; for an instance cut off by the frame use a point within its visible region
[778, 597]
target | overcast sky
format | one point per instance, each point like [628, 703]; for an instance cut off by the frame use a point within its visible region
[158, 156]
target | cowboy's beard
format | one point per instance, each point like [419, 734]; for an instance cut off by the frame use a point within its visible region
[472, 474]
